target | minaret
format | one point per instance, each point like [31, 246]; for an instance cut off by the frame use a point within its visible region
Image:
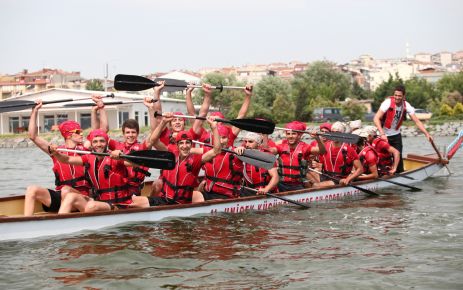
[407, 51]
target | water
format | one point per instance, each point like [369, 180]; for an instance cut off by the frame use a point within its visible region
[401, 240]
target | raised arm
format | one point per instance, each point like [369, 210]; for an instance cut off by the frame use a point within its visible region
[197, 124]
[156, 106]
[215, 135]
[154, 140]
[102, 122]
[244, 107]
[320, 149]
[33, 130]
[74, 160]
[190, 107]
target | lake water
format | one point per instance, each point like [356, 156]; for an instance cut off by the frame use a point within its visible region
[400, 240]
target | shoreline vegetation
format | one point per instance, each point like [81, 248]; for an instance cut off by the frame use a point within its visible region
[450, 128]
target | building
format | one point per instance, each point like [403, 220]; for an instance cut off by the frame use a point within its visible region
[53, 114]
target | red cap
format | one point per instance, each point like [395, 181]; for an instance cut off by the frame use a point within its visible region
[326, 126]
[224, 131]
[296, 125]
[183, 135]
[218, 114]
[66, 127]
[97, 133]
[180, 114]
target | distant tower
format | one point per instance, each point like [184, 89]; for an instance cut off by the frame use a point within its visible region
[407, 50]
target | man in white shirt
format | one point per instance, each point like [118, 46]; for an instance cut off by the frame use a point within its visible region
[390, 116]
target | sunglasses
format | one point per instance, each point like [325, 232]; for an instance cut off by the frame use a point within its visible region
[76, 131]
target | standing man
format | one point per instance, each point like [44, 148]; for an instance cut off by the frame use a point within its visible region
[389, 118]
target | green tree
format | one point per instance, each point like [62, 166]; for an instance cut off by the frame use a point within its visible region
[94, 85]
[458, 109]
[446, 110]
[360, 93]
[320, 81]
[268, 88]
[419, 92]
[385, 89]
[450, 83]
[282, 109]
[452, 98]
[353, 110]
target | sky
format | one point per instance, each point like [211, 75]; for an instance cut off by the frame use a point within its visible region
[146, 36]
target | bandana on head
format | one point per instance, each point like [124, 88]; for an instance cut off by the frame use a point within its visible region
[253, 136]
[326, 126]
[183, 135]
[66, 127]
[180, 114]
[338, 127]
[218, 114]
[97, 133]
[296, 125]
[224, 131]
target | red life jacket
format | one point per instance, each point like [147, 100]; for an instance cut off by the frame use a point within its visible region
[362, 157]
[71, 175]
[292, 167]
[178, 183]
[136, 175]
[385, 158]
[255, 177]
[388, 117]
[109, 179]
[342, 165]
[223, 174]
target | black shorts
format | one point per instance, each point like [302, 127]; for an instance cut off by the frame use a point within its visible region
[208, 195]
[283, 186]
[55, 196]
[157, 200]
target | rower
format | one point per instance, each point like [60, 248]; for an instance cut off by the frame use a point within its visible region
[338, 161]
[294, 155]
[107, 174]
[388, 156]
[261, 179]
[367, 155]
[178, 184]
[69, 178]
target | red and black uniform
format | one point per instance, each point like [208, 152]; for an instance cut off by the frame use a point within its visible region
[71, 175]
[136, 174]
[178, 183]
[385, 158]
[223, 175]
[389, 115]
[206, 137]
[292, 163]
[338, 161]
[368, 157]
[109, 179]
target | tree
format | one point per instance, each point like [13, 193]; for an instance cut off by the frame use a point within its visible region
[282, 109]
[320, 81]
[451, 83]
[446, 110]
[359, 93]
[452, 99]
[458, 110]
[94, 85]
[419, 92]
[353, 110]
[268, 88]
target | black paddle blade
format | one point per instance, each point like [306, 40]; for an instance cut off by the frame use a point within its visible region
[10, 106]
[152, 159]
[252, 125]
[258, 158]
[132, 83]
[341, 137]
[172, 85]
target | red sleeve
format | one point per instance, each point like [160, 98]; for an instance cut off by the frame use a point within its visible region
[196, 136]
[370, 158]
[113, 144]
[85, 158]
[383, 146]
[352, 154]
[165, 136]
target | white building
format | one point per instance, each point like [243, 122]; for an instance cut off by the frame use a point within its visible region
[131, 107]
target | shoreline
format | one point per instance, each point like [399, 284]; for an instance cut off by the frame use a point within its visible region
[22, 141]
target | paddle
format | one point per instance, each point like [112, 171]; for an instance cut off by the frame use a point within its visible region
[10, 106]
[253, 125]
[335, 136]
[251, 156]
[138, 83]
[404, 176]
[279, 197]
[411, 188]
[441, 160]
[148, 158]
[107, 103]
[367, 191]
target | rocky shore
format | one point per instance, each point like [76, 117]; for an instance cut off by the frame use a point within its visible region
[446, 129]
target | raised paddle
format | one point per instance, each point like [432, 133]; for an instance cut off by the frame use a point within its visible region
[367, 191]
[148, 158]
[441, 160]
[253, 125]
[10, 106]
[107, 103]
[250, 156]
[279, 197]
[335, 136]
[138, 83]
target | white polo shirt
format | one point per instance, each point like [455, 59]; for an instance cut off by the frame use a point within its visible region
[398, 111]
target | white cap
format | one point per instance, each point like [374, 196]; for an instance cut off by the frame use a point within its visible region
[338, 127]
[357, 132]
[357, 124]
[371, 130]
[253, 136]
